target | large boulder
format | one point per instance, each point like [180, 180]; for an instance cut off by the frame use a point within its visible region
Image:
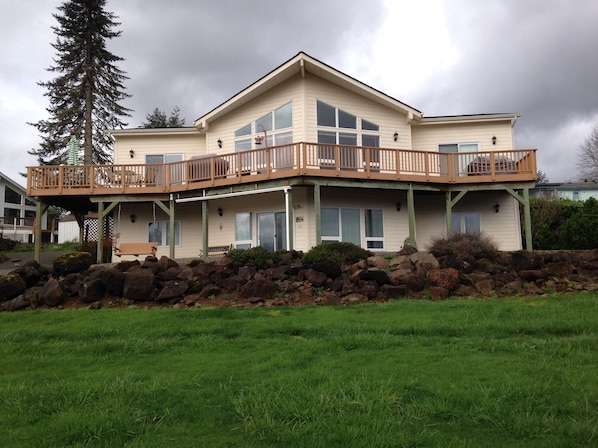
[138, 284]
[72, 262]
[52, 293]
[172, 289]
[11, 286]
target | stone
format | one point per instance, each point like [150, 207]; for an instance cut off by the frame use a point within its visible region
[378, 262]
[11, 286]
[447, 278]
[315, 278]
[72, 262]
[331, 268]
[18, 303]
[263, 288]
[172, 289]
[112, 280]
[375, 274]
[424, 262]
[138, 284]
[52, 293]
[92, 291]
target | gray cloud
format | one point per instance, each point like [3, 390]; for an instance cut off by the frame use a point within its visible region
[535, 57]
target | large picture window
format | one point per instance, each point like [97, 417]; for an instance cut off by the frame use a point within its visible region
[340, 224]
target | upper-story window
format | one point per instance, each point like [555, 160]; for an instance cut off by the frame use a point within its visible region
[333, 117]
[276, 124]
[11, 196]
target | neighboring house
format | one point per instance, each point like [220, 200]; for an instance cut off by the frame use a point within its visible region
[580, 191]
[18, 211]
[302, 156]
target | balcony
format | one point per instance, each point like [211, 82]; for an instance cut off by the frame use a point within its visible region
[284, 162]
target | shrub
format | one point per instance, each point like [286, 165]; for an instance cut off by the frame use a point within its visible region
[261, 258]
[342, 253]
[6, 244]
[464, 246]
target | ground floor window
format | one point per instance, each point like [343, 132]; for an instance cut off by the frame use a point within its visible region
[243, 231]
[341, 224]
[160, 231]
[466, 223]
[374, 228]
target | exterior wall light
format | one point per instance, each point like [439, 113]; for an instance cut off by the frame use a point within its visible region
[496, 208]
[494, 139]
[133, 217]
[219, 143]
[131, 153]
[396, 136]
[398, 206]
[219, 211]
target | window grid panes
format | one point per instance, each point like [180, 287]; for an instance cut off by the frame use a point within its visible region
[374, 228]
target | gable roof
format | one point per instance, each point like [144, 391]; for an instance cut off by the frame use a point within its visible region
[302, 63]
[15, 186]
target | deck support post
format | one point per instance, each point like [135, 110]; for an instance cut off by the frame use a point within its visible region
[40, 209]
[523, 199]
[411, 212]
[288, 195]
[317, 214]
[204, 224]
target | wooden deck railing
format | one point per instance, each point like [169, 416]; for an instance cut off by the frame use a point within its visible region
[287, 161]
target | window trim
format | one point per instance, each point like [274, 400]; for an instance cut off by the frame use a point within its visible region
[165, 236]
[374, 239]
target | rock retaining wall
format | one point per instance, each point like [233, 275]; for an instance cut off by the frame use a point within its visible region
[73, 281]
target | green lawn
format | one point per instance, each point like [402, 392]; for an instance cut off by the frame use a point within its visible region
[501, 372]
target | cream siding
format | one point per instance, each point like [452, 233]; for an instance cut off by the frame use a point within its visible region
[389, 120]
[504, 227]
[428, 137]
[224, 129]
[188, 145]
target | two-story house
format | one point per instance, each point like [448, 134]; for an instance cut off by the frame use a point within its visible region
[18, 211]
[305, 155]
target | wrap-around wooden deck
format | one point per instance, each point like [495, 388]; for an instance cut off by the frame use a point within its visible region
[280, 162]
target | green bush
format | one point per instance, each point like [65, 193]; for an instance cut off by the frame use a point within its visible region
[258, 256]
[464, 245]
[579, 231]
[6, 244]
[549, 219]
[342, 253]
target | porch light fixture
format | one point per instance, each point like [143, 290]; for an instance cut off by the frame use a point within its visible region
[494, 139]
[219, 143]
[398, 206]
[131, 153]
[133, 217]
[219, 211]
[396, 136]
[496, 208]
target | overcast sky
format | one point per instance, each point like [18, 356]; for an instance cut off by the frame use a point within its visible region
[443, 57]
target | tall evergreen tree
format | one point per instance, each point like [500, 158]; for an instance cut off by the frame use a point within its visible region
[84, 97]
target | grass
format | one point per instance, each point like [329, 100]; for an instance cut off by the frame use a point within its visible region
[502, 372]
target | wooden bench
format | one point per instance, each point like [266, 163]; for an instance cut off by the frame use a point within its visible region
[136, 249]
[218, 250]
